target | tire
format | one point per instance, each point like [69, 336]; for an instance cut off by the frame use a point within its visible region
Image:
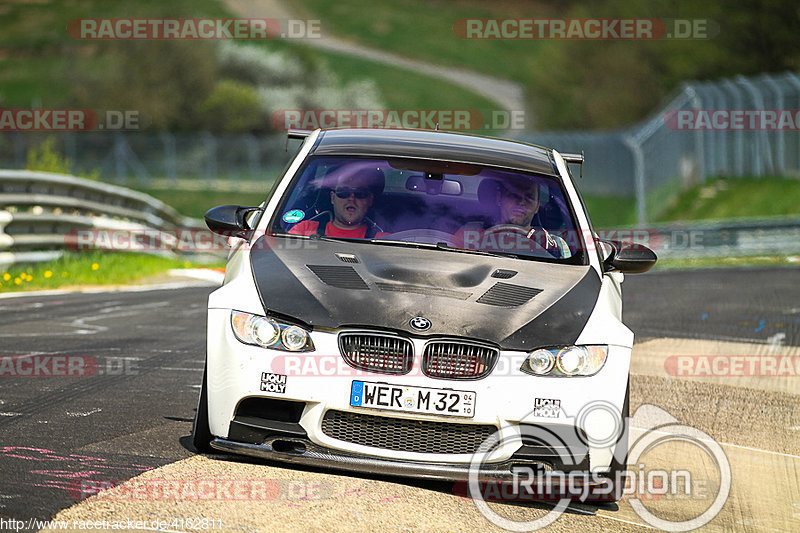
[201, 433]
[619, 466]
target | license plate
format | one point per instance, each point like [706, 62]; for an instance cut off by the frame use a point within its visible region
[442, 402]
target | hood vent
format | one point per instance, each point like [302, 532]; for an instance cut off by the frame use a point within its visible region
[423, 289]
[347, 258]
[343, 277]
[508, 295]
[501, 273]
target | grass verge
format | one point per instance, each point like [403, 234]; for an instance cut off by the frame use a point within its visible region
[609, 212]
[734, 198]
[717, 199]
[196, 203]
[726, 262]
[33, 70]
[87, 268]
[400, 88]
[423, 29]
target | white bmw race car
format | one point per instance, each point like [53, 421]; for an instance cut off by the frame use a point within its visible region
[402, 297]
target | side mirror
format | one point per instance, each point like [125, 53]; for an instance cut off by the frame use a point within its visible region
[627, 257]
[230, 220]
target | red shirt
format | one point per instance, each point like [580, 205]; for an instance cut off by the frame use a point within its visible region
[309, 227]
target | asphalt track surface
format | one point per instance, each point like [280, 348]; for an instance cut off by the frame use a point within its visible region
[134, 413]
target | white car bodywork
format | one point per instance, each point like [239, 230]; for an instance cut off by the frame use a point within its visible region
[505, 398]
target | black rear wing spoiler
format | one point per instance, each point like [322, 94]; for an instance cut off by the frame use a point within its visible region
[296, 134]
[574, 159]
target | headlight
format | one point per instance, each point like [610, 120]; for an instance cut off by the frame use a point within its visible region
[269, 333]
[569, 361]
[540, 362]
[294, 338]
[565, 362]
[264, 331]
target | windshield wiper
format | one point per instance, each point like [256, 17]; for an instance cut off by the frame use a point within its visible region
[442, 246]
[315, 237]
[438, 246]
[448, 248]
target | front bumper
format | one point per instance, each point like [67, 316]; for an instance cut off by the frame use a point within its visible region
[505, 400]
[309, 454]
[304, 452]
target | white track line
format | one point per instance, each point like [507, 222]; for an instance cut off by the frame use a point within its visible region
[712, 441]
[141, 288]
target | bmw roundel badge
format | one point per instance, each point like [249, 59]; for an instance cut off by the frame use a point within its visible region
[420, 323]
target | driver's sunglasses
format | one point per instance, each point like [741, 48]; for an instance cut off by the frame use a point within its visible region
[360, 194]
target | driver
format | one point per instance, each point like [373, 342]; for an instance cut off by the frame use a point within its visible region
[352, 198]
[518, 202]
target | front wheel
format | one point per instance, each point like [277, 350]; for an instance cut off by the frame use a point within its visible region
[619, 463]
[201, 433]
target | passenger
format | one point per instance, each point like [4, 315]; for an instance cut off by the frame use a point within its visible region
[352, 199]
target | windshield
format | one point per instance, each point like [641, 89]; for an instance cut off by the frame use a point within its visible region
[454, 206]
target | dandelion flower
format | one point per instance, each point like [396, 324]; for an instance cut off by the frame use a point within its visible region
[48, 273]
[6, 276]
[95, 266]
[17, 281]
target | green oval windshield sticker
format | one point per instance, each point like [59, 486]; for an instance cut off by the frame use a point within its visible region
[295, 215]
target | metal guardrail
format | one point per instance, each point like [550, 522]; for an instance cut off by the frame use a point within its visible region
[39, 209]
[724, 238]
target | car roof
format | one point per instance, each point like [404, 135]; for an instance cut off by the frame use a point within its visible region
[439, 145]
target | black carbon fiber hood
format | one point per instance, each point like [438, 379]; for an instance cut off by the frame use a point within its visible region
[316, 282]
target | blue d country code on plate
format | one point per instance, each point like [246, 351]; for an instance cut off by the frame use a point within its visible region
[442, 402]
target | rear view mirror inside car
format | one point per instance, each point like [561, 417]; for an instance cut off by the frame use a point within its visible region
[434, 186]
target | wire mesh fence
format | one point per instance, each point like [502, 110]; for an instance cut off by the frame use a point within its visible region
[731, 127]
[165, 159]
